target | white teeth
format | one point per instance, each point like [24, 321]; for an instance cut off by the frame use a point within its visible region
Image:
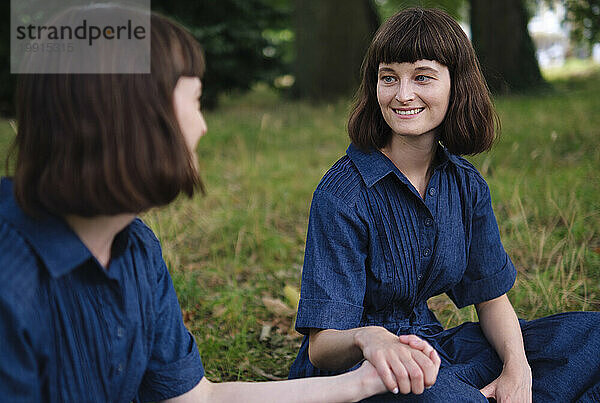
[409, 112]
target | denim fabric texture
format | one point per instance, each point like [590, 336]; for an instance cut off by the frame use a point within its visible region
[376, 251]
[71, 331]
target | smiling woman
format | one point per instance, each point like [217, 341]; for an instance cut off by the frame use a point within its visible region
[413, 97]
[402, 218]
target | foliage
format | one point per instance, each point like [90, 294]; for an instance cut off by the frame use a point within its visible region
[232, 34]
[583, 17]
[245, 41]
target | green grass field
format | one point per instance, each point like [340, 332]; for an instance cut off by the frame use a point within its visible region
[236, 254]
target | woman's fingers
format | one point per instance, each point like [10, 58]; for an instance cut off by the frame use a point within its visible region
[416, 376]
[385, 373]
[401, 374]
[428, 366]
[408, 365]
[416, 342]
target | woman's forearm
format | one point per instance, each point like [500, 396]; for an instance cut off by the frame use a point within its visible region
[501, 327]
[340, 388]
[349, 387]
[336, 350]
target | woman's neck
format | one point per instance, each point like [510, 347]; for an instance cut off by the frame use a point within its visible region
[413, 156]
[98, 233]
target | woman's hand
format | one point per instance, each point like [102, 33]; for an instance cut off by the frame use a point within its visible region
[513, 384]
[402, 367]
[500, 325]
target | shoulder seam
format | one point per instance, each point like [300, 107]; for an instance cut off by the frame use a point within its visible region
[341, 181]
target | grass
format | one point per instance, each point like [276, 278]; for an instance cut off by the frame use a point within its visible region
[233, 252]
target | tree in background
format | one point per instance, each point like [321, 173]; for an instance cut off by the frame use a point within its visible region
[499, 35]
[331, 39]
[503, 45]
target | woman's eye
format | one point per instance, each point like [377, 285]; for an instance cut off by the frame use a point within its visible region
[388, 79]
[422, 78]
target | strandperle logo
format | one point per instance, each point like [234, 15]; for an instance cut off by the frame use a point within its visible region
[80, 37]
[84, 31]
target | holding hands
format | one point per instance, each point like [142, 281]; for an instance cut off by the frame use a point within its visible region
[404, 363]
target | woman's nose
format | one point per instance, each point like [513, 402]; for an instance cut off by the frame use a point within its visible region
[405, 93]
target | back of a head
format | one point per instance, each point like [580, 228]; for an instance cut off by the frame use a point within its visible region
[104, 144]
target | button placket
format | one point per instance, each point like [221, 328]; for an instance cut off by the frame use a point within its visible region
[120, 334]
[428, 229]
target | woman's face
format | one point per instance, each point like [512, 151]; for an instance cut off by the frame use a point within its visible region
[186, 102]
[413, 97]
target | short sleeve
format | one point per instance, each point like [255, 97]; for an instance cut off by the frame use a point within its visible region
[490, 273]
[333, 275]
[175, 366]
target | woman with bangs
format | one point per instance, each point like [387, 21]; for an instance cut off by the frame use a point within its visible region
[402, 217]
[88, 312]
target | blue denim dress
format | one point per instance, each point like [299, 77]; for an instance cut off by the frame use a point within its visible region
[376, 251]
[71, 331]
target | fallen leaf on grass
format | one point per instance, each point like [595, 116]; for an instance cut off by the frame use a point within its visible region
[277, 306]
[218, 310]
[265, 333]
[292, 295]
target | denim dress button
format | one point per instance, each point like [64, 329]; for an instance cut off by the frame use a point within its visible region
[426, 252]
[431, 191]
[428, 222]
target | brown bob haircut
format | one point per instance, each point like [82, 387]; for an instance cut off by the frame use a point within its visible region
[106, 144]
[415, 34]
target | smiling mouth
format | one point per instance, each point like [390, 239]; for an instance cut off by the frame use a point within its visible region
[408, 112]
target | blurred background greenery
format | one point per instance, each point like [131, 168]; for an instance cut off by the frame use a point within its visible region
[313, 49]
[279, 81]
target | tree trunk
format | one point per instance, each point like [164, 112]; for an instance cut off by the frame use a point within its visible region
[503, 45]
[331, 39]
